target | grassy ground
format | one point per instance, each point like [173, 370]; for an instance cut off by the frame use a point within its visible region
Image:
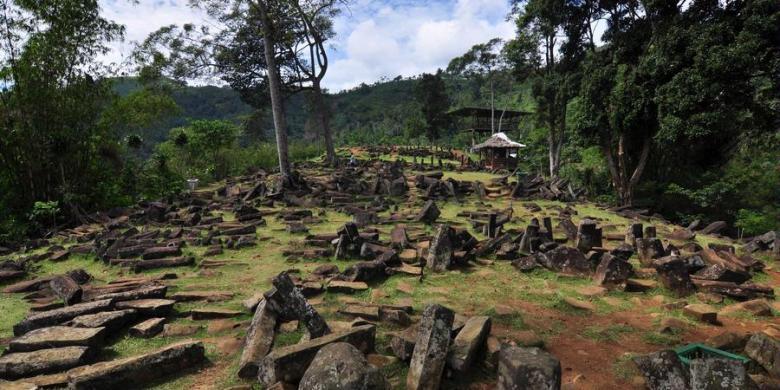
[594, 345]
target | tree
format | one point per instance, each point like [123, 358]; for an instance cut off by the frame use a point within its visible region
[483, 63]
[638, 90]
[52, 147]
[434, 103]
[552, 38]
[266, 50]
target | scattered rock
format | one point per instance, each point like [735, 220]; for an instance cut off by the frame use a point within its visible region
[59, 316]
[702, 312]
[765, 351]
[258, 342]
[42, 361]
[430, 350]
[148, 328]
[469, 341]
[288, 364]
[341, 366]
[663, 370]
[527, 368]
[716, 374]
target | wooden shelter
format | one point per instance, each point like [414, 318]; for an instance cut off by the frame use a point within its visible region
[499, 151]
[481, 122]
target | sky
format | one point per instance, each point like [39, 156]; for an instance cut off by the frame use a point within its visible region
[374, 39]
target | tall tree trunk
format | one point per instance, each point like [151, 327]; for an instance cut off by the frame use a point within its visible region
[618, 169]
[322, 110]
[492, 110]
[274, 86]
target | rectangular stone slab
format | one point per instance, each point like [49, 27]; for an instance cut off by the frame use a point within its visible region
[57, 337]
[288, 364]
[259, 340]
[138, 370]
[149, 307]
[469, 341]
[148, 292]
[148, 328]
[43, 361]
[430, 349]
[59, 316]
[111, 320]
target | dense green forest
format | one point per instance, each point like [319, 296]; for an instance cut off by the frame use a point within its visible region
[675, 110]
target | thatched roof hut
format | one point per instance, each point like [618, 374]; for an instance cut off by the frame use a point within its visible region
[499, 151]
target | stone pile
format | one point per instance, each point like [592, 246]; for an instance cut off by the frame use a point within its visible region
[541, 188]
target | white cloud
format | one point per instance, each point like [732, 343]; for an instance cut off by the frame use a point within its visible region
[374, 39]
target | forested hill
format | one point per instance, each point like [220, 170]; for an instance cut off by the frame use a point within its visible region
[364, 114]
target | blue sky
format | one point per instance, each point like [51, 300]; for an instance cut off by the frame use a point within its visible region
[374, 38]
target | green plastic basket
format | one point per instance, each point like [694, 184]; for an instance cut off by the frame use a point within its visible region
[698, 351]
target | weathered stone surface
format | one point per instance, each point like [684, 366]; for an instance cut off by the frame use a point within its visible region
[138, 370]
[59, 316]
[258, 341]
[182, 261]
[149, 307]
[565, 259]
[177, 330]
[148, 328]
[213, 313]
[673, 274]
[340, 286]
[288, 302]
[43, 361]
[57, 337]
[66, 289]
[146, 292]
[527, 368]
[663, 370]
[402, 343]
[720, 273]
[288, 364]
[526, 264]
[429, 213]
[111, 320]
[765, 351]
[648, 249]
[440, 253]
[612, 271]
[728, 341]
[161, 252]
[398, 238]
[719, 374]
[756, 307]
[468, 343]
[362, 311]
[341, 366]
[588, 235]
[702, 312]
[209, 296]
[430, 350]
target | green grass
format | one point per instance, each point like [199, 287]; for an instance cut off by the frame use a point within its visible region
[624, 367]
[662, 339]
[612, 333]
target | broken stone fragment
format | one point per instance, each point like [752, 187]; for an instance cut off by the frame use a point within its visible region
[402, 343]
[288, 302]
[468, 343]
[702, 312]
[138, 370]
[431, 347]
[288, 364]
[439, 257]
[149, 307]
[258, 342]
[59, 316]
[719, 374]
[663, 370]
[42, 361]
[765, 351]
[57, 337]
[527, 368]
[429, 213]
[111, 320]
[148, 328]
[612, 271]
[342, 366]
[66, 289]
